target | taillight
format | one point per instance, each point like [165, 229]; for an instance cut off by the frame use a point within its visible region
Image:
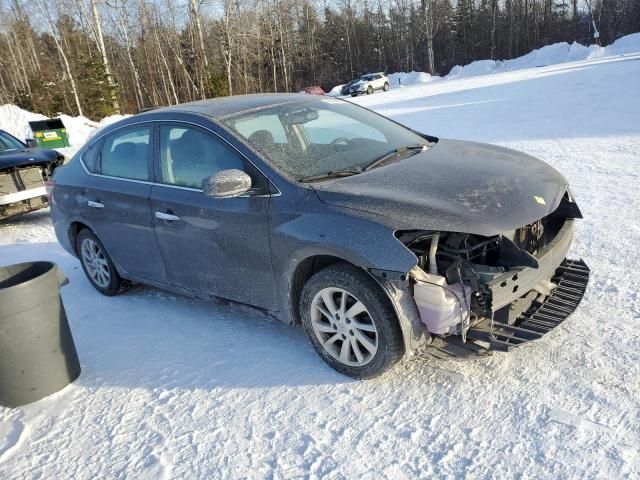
[49, 184]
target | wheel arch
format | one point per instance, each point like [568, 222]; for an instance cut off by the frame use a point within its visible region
[397, 294]
[312, 264]
[74, 229]
[304, 270]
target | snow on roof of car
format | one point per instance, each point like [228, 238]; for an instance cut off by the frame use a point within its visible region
[226, 106]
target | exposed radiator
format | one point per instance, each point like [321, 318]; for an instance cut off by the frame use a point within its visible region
[21, 179]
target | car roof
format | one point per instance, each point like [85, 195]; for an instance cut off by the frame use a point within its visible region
[227, 106]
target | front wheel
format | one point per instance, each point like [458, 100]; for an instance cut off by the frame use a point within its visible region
[350, 322]
[369, 90]
[386, 87]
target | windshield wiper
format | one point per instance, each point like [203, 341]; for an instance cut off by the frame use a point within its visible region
[332, 174]
[355, 171]
[387, 156]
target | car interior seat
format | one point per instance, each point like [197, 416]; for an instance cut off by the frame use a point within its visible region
[188, 154]
[128, 160]
[195, 156]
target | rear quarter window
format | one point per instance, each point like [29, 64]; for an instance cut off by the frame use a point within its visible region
[91, 157]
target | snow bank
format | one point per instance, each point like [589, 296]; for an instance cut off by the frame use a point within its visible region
[549, 55]
[626, 44]
[410, 78]
[480, 67]
[556, 53]
[335, 91]
[15, 120]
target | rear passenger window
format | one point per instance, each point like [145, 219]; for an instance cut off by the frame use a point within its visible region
[126, 154]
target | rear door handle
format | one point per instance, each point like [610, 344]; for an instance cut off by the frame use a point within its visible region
[93, 204]
[167, 216]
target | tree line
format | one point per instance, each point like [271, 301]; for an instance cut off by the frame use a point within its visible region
[100, 57]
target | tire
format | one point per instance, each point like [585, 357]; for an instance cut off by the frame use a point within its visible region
[107, 281]
[386, 86]
[354, 94]
[374, 332]
[369, 90]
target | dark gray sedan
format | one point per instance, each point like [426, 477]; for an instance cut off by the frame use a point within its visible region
[380, 240]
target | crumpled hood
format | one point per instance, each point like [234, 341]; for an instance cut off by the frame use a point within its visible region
[26, 156]
[453, 186]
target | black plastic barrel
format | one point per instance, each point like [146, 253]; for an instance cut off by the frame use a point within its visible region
[37, 353]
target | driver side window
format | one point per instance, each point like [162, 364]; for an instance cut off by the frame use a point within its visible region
[189, 155]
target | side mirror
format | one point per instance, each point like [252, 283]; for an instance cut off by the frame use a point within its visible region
[227, 183]
[31, 143]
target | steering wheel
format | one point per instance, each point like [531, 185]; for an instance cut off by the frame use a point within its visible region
[338, 140]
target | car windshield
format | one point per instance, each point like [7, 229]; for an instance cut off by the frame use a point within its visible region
[320, 137]
[7, 142]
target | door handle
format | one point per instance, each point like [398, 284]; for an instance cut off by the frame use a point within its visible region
[93, 204]
[167, 216]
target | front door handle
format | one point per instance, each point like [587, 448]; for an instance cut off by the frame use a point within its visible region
[93, 204]
[167, 216]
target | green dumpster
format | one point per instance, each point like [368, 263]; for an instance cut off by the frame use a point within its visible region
[50, 133]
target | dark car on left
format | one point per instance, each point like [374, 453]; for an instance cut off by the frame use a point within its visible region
[24, 172]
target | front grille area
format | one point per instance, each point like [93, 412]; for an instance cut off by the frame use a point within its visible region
[571, 278]
[542, 316]
[31, 177]
[8, 183]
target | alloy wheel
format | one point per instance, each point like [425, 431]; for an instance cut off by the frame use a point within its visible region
[95, 262]
[344, 327]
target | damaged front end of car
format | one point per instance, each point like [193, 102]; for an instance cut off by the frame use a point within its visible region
[23, 184]
[476, 294]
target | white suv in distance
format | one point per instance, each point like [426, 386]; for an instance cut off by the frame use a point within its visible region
[370, 83]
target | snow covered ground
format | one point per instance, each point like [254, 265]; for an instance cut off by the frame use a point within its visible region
[177, 388]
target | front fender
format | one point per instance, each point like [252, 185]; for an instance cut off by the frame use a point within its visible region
[358, 240]
[333, 232]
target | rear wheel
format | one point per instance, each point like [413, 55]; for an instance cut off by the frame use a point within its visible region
[350, 322]
[97, 265]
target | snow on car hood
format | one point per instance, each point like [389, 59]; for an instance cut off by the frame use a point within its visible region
[453, 186]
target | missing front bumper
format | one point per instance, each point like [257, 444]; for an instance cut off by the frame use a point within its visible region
[571, 278]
